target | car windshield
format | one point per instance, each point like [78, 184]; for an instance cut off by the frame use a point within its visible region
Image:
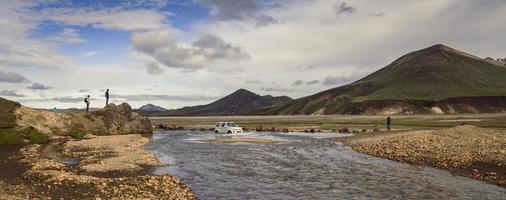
[231, 124]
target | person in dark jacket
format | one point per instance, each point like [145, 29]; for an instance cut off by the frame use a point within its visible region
[107, 97]
[87, 101]
[389, 121]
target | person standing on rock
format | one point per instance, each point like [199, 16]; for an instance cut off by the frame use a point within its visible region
[87, 101]
[389, 121]
[107, 97]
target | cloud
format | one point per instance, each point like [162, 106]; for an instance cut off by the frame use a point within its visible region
[11, 77]
[313, 82]
[89, 54]
[162, 97]
[162, 45]
[69, 99]
[343, 7]
[253, 81]
[154, 69]
[38, 86]
[68, 36]
[379, 14]
[339, 80]
[18, 46]
[116, 18]
[10, 93]
[213, 47]
[297, 83]
[305, 67]
[276, 89]
[243, 10]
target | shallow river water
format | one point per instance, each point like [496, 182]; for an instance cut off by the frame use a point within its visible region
[301, 166]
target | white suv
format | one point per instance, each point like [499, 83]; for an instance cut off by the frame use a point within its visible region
[227, 128]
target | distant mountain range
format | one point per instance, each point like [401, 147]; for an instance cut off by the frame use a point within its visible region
[151, 108]
[435, 80]
[240, 102]
[438, 79]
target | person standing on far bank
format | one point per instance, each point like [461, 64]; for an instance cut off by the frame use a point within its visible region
[389, 121]
[107, 97]
[87, 101]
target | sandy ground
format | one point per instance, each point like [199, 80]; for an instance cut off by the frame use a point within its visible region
[470, 151]
[102, 167]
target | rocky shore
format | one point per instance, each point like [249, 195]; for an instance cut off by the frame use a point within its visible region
[96, 155]
[478, 153]
[96, 167]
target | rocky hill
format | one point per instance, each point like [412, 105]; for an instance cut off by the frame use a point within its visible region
[238, 103]
[151, 108]
[19, 123]
[438, 79]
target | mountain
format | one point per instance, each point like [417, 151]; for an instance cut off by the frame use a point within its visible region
[152, 108]
[432, 80]
[238, 103]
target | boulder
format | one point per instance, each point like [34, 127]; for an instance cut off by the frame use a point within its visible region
[120, 119]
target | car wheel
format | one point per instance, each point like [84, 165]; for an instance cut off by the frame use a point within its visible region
[216, 131]
[229, 132]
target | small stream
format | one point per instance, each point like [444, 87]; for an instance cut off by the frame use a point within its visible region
[302, 166]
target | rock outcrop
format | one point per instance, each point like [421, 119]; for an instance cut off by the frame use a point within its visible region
[111, 120]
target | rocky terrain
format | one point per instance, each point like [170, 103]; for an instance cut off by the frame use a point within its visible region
[478, 153]
[432, 80]
[20, 124]
[96, 167]
[96, 155]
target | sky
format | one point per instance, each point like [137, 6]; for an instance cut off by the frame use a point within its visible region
[190, 52]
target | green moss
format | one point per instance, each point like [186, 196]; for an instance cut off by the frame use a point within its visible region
[10, 136]
[35, 136]
[7, 117]
[77, 133]
[122, 132]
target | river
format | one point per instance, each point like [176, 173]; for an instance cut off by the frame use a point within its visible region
[301, 166]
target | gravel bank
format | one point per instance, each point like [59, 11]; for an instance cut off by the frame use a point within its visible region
[470, 151]
[99, 167]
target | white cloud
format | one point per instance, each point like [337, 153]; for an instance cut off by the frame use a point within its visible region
[338, 80]
[68, 36]
[10, 77]
[150, 97]
[163, 46]
[154, 68]
[243, 10]
[276, 89]
[89, 54]
[17, 47]
[297, 83]
[10, 93]
[107, 18]
[38, 86]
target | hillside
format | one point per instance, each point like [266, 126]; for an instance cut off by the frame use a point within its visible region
[151, 107]
[412, 84]
[238, 103]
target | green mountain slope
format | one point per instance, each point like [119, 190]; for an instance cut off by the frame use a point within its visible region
[418, 79]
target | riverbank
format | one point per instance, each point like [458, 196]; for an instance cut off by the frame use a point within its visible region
[96, 167]
[474, 152]
[332, 123]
